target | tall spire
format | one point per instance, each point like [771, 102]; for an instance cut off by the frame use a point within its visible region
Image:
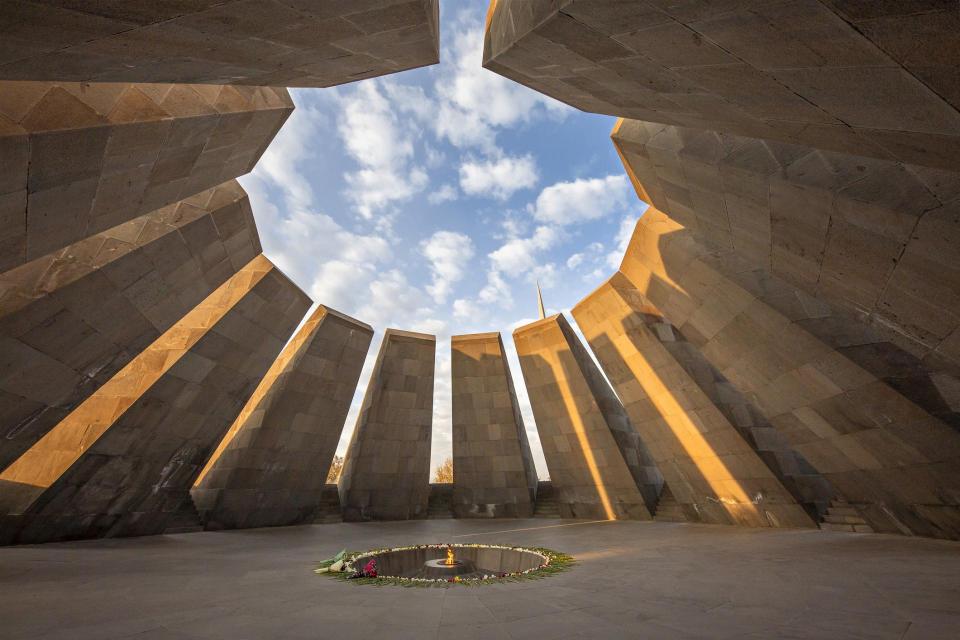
[543, 313]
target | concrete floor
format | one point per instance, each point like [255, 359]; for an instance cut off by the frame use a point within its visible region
[633, 580]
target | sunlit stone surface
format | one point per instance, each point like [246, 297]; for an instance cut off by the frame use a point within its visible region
[292, 43]
[711, 469]
[123, 461]
[493, 472]
[386, 473]
[270, 468]
[897, 463]
[72, 319]
[598, 465]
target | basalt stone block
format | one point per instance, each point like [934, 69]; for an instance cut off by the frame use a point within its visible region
[293, 43]
[598, 465]
[898, 464]
[386, 472]
[271, 468]
[863, 252]
[714, 473]
[100, 155]
[124, 460]
[69, 321]
[493, 471]
[822, 74]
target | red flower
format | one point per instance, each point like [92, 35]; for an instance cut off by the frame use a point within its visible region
[370, 570]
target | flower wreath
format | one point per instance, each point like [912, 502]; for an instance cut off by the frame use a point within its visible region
[361, 566]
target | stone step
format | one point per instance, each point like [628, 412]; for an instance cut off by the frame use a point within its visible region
[843, 516]
[835, 519]
[670, 514]
[328, 518]
[848, 528]
[843, 510]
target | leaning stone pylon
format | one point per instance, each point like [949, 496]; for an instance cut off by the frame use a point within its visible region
[598, 465]
[493, 471]
[69, 321]
[712, 472]
[883, 453]
[297, 43]
[80, 159]
[271, 467]
[124, 460]
[830, 75]
[386, 472]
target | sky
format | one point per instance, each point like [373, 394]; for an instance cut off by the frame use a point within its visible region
[434, 199]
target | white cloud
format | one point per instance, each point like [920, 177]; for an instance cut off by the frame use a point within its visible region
[382, 146]
[499, 178]
[575, 261]
[546, 274]
[496, 291]
[468, 103]
[519, 255]
[448, 253]
[465, 309]
[621, 240]
[581, 200]
[445, 193]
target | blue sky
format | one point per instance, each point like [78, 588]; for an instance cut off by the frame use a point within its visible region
[433, 199]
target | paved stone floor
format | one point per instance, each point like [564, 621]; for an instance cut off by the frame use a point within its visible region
[633, 580]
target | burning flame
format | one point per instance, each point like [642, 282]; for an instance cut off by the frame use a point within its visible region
[450, 560]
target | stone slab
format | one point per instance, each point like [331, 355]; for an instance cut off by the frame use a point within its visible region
[883, 453]
[712, 470]
[293, 43]
[80, 159]
[493, 471]
[69, 321]
[822, 74]
[862, 252]
[271, 467]
[123, 461]
[598, 466]
[386, 472]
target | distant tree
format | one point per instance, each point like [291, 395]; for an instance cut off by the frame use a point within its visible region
[444, 473]
[335, 468]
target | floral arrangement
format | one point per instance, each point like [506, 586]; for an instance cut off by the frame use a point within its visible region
[351, 566]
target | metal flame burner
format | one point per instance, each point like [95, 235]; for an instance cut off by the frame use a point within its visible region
[439, 568]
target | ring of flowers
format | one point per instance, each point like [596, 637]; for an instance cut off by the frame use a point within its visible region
[552, 562]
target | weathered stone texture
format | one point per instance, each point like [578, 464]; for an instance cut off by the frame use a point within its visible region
[79, 159]
[71, 320]
[878, 81]
[897, 463]
[291, 43]
[271, 468]
[493, 471]
[598, 465]
[876, 240]
[123, 461]
[713, 472]
[386, 473]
